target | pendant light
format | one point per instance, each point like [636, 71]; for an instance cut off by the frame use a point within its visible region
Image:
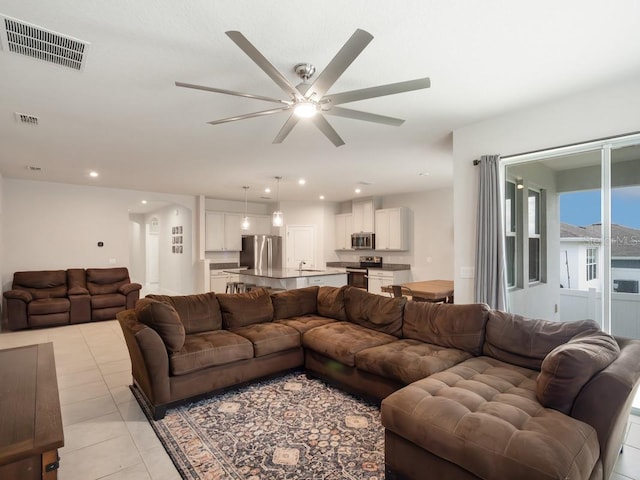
[245, 220]
[277, 220]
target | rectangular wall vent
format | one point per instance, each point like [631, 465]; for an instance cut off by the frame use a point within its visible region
[36, 42]
[27, 119]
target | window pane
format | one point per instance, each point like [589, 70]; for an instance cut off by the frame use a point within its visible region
[534, 259]
[534, 212]
[510, 207]
[511, 261]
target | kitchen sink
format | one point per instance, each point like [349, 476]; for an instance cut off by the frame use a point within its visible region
[309, 270]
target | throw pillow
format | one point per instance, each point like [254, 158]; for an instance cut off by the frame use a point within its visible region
[164, 319]
[570, 366]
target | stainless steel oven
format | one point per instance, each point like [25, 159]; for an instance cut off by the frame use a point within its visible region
[357, 277]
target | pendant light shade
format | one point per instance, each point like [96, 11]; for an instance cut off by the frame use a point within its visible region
[245, 220]
[277, 219]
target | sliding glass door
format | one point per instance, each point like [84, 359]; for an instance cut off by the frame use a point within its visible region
[572, 229]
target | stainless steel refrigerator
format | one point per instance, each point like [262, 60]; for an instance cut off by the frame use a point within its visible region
[261, 252]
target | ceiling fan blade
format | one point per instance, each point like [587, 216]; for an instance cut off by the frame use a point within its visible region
[369, 117]
[379, 91]
[231, 92]
[247, 47]
[249, 115]
[286, 128]
[328, 130]
[347, 54]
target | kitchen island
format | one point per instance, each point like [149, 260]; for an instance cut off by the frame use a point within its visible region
[290, 278]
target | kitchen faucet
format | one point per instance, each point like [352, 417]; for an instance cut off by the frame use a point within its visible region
[302, 262]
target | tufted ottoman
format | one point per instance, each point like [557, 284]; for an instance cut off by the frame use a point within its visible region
[481, 419]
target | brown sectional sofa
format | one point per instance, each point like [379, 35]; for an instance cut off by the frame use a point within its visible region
[467, 392]
[48, 298]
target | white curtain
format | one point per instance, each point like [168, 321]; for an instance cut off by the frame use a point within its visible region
[490, 275]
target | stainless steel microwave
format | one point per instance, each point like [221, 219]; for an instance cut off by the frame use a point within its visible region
[363, 241]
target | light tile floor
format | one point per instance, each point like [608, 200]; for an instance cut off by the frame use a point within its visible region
[106, 434]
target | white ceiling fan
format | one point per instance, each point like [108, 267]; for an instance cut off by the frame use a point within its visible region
[312, 100]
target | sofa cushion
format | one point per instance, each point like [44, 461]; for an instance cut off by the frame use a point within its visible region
[164, 319]
[305, 323]
[570, 366]
[294, 303]
[331, 302]
[269, 337]
[455, 326]
[526, 342]
[376, 312]
[483, 415]
[101, 281]
[408, 360]
[341, 341]
[42, 283]
[108, 300]
[241, 309]
[45, 306]
[199, 313]
[209, 349]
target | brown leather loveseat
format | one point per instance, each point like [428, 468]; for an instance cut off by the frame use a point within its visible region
[50, 298]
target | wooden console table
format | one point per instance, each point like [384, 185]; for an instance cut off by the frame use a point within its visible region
[30, 419]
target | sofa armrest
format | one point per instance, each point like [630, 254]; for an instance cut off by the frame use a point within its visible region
[21, 295]
[149, 358]
[127, 288]
[605, 401]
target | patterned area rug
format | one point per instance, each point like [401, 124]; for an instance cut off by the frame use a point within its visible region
[290, 427]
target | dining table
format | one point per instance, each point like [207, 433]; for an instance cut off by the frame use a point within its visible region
[426, 290]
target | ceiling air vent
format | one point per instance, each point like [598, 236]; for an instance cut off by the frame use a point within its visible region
[26, 39]
[27, 119]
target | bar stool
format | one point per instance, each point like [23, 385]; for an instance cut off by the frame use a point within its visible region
[235, 287]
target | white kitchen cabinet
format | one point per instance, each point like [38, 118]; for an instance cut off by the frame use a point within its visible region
[222, 231]
[219, 279]
[364, 215]
[392, 229]
[379, 278]
[344, 229]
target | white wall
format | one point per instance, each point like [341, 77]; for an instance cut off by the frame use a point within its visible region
[605, 112]
[137, 248]
[57, 226]
[431, 234]
[312, 213]
[177, 270]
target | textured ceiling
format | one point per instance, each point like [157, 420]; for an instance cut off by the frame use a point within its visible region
[123, 116]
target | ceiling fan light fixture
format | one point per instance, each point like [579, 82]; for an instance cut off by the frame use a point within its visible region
[305, 109]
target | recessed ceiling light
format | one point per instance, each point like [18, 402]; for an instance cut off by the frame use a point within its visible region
[267, 190]
[358, 190]
[144, 202]
[302, 181]
[93, 174]
[321, 197]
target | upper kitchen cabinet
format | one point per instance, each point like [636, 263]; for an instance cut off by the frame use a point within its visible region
[364, 215]
[344, 229]
[392, 229]
[222, 232]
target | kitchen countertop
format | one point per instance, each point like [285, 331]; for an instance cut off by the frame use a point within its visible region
[282, 273]
[392, 267]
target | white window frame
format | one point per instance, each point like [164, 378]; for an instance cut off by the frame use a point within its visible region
[591, 263]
